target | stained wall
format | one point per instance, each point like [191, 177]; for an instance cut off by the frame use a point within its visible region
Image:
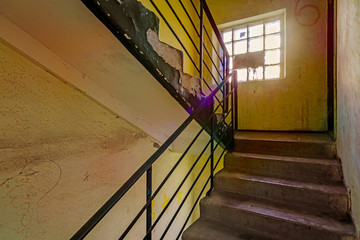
[348, 99]
[63, 155]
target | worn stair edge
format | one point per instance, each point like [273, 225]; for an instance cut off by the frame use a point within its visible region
[292, 168]
[328, 200]
[271, 220]
[301, 145]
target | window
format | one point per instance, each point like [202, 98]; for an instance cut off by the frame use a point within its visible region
[256, 46]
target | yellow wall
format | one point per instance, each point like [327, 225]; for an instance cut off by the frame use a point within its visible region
[63, 155]
[297, 102]
[348, 99]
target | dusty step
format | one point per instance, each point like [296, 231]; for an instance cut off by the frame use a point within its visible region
[314, 145]
[292, 168]
[273, 221]
[208, 230]
[321, 199]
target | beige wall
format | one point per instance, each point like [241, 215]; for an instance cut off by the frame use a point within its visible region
[63, 155]
[348, 99]
[297, 102]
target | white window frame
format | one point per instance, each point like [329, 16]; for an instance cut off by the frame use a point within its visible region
[267, 17]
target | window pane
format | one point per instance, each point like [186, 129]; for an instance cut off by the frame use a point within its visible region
[256, 30]
[272, 56]
[272, 72]
[272, 41]
[229, 47]
[240, 47]
[256, 44]
[241, 74]
[240, 34]
[272, 27]
[231, 63]
[227, 36]
[256, 74]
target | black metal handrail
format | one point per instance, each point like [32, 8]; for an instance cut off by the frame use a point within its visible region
[218, 130]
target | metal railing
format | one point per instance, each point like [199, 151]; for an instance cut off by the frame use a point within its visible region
[225, 95]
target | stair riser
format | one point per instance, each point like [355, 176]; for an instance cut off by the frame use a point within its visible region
[265, 224]
[296, 149]
[299, 171]
[317, 202]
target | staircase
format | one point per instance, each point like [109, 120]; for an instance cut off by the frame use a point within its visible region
[277, 186]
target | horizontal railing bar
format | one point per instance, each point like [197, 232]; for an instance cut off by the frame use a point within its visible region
[187, 194]
[192, 22]
[182, 25]
[214, 27]
[175, 35]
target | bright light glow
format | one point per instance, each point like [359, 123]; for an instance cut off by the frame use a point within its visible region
[227, 36]
[240, 34]
[240, 47]
[256, 44]
[272, 72]
[257, 75]
[272, 27]
[241, 74]
[272, 41]
[272, 56]
[229, 47]
[256, 30]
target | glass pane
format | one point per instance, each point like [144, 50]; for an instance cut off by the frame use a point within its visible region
[272, 56]
[272, 27]
[256, 30]
[240, 47]
[241, 75]
[240, 34]
[227, 36]
[272, 72]
[231, 63]
[272, 41]
[256, 74]
[256, 44]
[229, 47]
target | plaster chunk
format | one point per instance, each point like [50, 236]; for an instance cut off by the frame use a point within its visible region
[191, 83]
[171, 55]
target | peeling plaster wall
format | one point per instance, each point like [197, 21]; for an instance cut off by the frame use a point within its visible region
[165, 34]
[299, 101]
[348, 99]
[63, 155]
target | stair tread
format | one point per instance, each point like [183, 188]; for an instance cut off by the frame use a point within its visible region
[203, 229]
[284, 136]
[333, 189]
[328, 224]
[324, 161]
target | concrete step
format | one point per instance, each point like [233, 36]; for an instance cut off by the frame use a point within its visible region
[268, 220]
[320, 199]
[291, 168]
[208, 230]
[313, 145]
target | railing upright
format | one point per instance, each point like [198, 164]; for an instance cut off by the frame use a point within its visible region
[148, 198]
[201, 40]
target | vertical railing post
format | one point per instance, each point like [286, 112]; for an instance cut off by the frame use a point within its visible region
[212, 137]
[236, 102]
[201, 48]
[148, 197]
